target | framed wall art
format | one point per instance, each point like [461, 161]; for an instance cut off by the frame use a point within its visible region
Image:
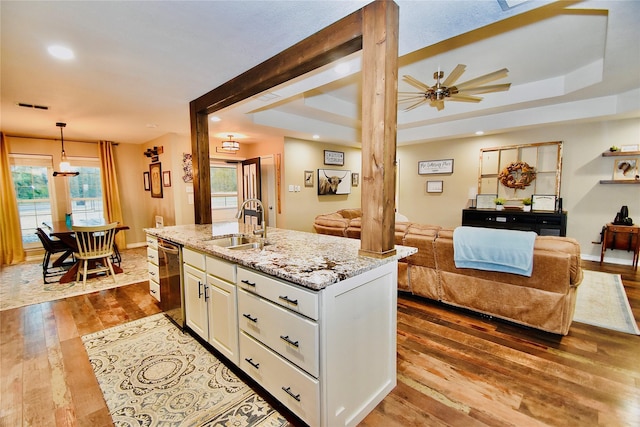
[355, 179]
[308, 178]
[625, 169]
[428, 167]
[155, 173]
[334, 181]
[333, 158]
[486, 201]
[543, 202]
[434, 186]
[166, 178]
[145, 178]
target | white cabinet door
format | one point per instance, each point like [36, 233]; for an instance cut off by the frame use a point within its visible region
[223, 320]
[194, 300]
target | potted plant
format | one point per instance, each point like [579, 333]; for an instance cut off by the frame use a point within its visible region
[526, 204]
[499, 201]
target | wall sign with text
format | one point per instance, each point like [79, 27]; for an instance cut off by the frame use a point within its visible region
[435, 166]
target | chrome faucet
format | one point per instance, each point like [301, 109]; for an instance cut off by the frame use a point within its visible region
[262, 231]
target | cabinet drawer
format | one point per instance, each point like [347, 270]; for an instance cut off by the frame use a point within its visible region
[152, 241]
[154, 272]
[221, 269]
[295, 389]
[152, 255]
[292, 336]
[154, 290]
[287, 295]
[193, 258]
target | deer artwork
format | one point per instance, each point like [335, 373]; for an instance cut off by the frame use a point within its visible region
[329, 184]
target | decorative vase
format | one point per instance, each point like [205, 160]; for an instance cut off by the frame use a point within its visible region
[499, 207]
[526, 208]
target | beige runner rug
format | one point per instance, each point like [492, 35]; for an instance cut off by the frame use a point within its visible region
[22, 284]
[603, 302]
[153, 374]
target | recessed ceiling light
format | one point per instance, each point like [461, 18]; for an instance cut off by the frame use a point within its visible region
[60, 52]
[152, 125]
[479, 132]
[215, 119]
[316, 136]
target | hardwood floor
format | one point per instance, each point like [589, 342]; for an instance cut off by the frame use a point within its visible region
[454, 368]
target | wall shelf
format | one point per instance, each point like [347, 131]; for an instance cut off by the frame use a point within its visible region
[620, 153]
[619, 181]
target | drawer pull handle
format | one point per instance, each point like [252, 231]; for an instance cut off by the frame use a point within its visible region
[199, 289]
[152, 291]
[152, 273]
[152, 257]
[293, 343]
[289, 300]
[252, 363]
[246, 282]
[253, 319]
[206, 293]
[288, 391]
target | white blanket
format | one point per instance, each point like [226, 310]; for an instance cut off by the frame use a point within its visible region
[491, 249]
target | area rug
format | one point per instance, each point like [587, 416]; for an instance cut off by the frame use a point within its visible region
[22, 284]
[153, 374]
[603, 302]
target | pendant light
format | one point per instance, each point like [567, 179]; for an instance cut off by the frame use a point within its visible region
[229, 146]
[65, 166]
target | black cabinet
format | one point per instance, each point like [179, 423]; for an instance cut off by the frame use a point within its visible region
[543, 223]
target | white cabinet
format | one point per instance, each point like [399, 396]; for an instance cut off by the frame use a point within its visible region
[328, 356]
[210, 301]
[152, 264]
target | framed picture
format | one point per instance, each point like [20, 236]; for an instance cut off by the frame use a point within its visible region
[333, 158]
[155, 173]
[486, 201]
[630, 147]
[625, 169]
[434, 186]
[428, 167]
[166, 178]
[355, 179]
[334, 181]
[145, 177]
[308, 178]
[543, 202]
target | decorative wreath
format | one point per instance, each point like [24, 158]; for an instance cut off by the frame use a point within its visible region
[517, 175]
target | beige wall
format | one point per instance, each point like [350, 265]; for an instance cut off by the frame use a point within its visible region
[301, 208]
[589, 204]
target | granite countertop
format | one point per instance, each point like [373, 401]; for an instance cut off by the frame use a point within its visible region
[314, 261]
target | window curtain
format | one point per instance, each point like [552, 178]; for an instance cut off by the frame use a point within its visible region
[110, 192]
[11, 249]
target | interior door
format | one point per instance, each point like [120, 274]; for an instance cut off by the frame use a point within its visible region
[268, 178]
[251, 189]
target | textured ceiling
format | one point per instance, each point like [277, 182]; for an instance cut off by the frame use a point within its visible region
[139, 64]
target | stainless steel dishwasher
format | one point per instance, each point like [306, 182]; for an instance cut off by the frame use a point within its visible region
[171, 288]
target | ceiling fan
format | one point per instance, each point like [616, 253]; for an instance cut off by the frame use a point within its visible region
[435, 95]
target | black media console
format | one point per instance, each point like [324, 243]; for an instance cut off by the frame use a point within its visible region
[543, 223]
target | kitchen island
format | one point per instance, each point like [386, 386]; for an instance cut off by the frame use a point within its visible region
[305, 316]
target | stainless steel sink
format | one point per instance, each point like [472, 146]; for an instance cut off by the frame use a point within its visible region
[237, 242]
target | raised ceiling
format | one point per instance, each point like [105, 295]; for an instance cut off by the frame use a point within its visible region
[138, 64]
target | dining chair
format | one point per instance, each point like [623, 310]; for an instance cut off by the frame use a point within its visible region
[52, 247]
[95, 243]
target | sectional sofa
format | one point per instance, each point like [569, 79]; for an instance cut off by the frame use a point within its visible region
[545, 300]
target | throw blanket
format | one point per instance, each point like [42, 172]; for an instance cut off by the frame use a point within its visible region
[506, 251]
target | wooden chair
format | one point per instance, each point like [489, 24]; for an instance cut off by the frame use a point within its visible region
[52, 247]
[95, 243]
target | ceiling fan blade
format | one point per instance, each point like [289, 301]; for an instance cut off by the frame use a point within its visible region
[454, 75]
[464, 98]
[416, 83]
[412, 98]
[416, 105]
[478, 81]
[485, 89]
[438, 104]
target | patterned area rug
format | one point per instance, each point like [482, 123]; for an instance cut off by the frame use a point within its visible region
[22, 284]
[603, 302]
[153, 374]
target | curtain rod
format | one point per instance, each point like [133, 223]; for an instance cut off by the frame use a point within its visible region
[55, 139]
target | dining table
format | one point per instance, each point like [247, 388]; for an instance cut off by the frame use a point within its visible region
[63, 230]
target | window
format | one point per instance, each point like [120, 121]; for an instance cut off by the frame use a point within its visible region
[224, 191]
[86, 191]
[31, 180]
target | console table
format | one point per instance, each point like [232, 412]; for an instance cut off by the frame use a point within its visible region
[543, 223]
[623, 237]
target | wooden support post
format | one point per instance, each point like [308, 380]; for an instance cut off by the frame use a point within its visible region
[200, 160]
[379, 125]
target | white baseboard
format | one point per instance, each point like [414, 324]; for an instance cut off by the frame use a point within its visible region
[607, 259]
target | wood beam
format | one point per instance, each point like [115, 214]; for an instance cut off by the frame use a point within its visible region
[379, 126]
[200, 160]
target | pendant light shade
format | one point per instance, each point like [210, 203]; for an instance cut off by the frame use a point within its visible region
[65, 166]
[229, 146]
